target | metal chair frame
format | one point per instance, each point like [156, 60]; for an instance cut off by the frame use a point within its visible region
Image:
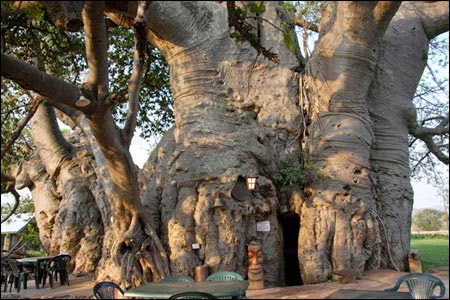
[421, 285]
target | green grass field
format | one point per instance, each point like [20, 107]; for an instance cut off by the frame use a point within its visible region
[434, 252]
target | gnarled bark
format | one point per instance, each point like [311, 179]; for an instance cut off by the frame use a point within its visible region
[226, 125]
[238, 114]
[400, 66]
[62, 182]
[339, 229]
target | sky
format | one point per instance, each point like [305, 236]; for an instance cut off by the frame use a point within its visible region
[426, 196]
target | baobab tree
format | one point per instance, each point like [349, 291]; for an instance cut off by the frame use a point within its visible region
[245, 101]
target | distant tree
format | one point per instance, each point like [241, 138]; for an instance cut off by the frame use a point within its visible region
[26, 205]
[445, 220]
[445, 199]
[31, 236]
[428, 219]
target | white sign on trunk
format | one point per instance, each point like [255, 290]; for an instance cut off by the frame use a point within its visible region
[263, 226]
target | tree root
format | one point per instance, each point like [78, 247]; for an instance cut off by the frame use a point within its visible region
[141, 254]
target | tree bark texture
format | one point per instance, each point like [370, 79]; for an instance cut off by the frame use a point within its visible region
[238, 114]
[338, 227]
[235, 114]
[63, 185]
[401, 63]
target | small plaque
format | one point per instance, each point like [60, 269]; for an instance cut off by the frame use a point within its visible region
[263, 226]
[195, 246]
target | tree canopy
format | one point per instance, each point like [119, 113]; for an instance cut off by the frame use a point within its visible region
[31, 33]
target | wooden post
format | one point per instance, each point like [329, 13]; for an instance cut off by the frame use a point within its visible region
[415, 265]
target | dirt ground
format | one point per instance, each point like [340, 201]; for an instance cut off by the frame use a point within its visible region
[81, 288]
[375, 280]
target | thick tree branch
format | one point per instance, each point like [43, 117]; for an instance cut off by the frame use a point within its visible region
[120, 19]
[64, 14]
[31, 78]
[434, 16]
[96, 50]
[426, 135]
[128, 8]
[380, 12]
[52, 146]
[140, 28]
[8, 183]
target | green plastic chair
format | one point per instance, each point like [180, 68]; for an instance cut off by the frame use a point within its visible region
[57, 266]
[224, 276]
[193, 295]
[421, 286]
[178, 278]
[15, 275]
[106, 290]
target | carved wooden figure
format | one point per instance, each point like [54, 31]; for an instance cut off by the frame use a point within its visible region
[255, 266]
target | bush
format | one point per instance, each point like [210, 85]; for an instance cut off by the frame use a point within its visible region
[294, 170]
[31, 236]
[420, 236]
[34, 253]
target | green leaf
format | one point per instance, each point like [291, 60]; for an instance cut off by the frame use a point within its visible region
[235, 36]
[289, 41]
[241, 14]
[257, 7]
[34, 12]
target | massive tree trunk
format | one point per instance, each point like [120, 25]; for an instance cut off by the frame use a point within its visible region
[339, 229]
[238, 114]
[361, 111]
[401, 62]
[62, 181]
[360, 90]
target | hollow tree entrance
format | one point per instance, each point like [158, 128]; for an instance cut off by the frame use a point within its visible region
[291, 225]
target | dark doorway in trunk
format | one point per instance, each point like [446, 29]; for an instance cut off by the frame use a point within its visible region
[291, 226]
